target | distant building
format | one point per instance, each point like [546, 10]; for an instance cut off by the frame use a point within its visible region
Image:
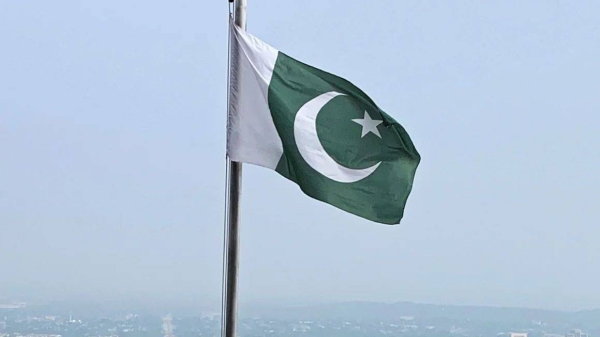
[518, 334]
[168, 326]
[21, 305]
[577, 333]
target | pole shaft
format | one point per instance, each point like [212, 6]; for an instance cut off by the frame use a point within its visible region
[233, 253]
[240, 13]
[233, 237]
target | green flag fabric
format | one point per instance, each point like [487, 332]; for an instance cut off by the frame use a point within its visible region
[319, 131]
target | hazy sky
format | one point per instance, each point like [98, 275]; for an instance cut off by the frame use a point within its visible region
[112, 140]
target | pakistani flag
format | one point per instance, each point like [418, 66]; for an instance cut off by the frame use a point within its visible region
[319, 131]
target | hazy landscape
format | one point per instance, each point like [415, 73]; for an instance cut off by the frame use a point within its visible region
[358, 319]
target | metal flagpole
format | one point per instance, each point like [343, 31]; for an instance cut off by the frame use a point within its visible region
[229, 320]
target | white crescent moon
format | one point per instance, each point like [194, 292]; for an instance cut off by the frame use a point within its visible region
[311, 149]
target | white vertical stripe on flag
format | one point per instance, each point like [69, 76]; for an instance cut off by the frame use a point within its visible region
[251, 134]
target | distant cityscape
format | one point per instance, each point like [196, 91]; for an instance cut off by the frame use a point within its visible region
[21, 320]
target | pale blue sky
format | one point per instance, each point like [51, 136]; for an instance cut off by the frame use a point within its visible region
[112, 120]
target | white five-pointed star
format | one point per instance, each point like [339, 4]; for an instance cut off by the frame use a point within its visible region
[368, 125]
